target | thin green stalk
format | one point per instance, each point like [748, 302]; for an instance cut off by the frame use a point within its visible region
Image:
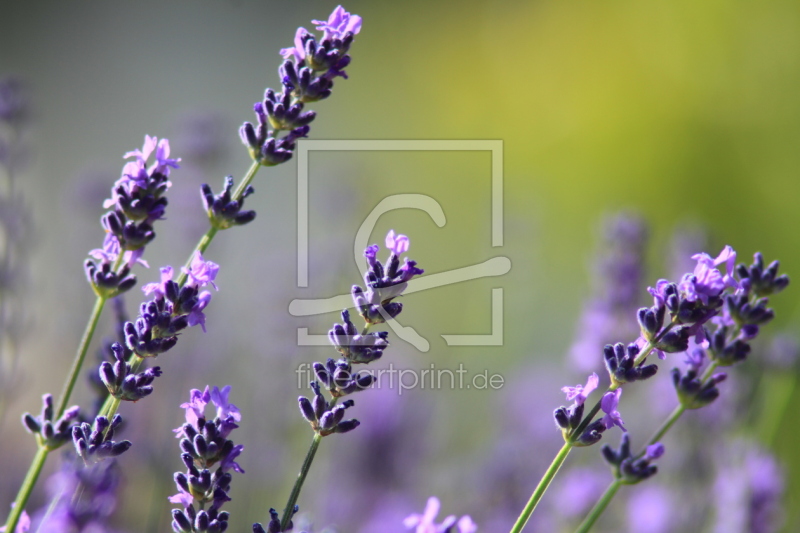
[77, 363]
[777, 395]
[542, 487]
[26, 488]
[41, 455]
[301, 477]
[599, 507]
[251, 173]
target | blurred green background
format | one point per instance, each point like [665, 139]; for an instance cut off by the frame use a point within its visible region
[685, 112]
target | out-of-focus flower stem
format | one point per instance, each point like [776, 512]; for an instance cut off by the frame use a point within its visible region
[298, 484]
[599, 507]
[548, 476]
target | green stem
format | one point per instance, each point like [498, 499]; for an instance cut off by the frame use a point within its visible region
[599, 507]
[301, 477]
[665, 426]
[251, 173]
[41, 455]
[542, 487]
[777, 396]
[26, 488]
[77, 363]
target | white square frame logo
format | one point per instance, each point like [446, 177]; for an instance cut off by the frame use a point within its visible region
[495, 266]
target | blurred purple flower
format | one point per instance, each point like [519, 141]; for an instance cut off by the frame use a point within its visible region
[201, 272]
[651, 509]
[425, 522]
[617, 268]
[338, 24]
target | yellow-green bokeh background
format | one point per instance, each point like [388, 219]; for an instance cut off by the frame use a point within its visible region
[687, 112]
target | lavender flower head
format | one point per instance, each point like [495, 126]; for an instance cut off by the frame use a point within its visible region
[137, 201]
[205, 445]
[307, 75]
[385, 283]
[85, 498]
[426, 522]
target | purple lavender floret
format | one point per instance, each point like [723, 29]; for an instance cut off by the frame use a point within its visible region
[205, 444]
[51, 434]
[579, 393]
[224, 211]
[307, 75]
[426, 522]
[201, 272]
[94, 442]
[609, 404]
[384, 284]
[121, 382]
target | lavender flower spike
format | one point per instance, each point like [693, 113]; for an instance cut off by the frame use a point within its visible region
[579, 393]
[205, 446]
[425, 522]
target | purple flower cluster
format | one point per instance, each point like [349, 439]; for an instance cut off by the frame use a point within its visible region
[84, 498]
[95, 442]
[205, 445]
[307, 75]
[49, 433]
[384, 284]
[225, 211]
[629, 468]
[137, 201]
[712, 315]
[426, 522]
